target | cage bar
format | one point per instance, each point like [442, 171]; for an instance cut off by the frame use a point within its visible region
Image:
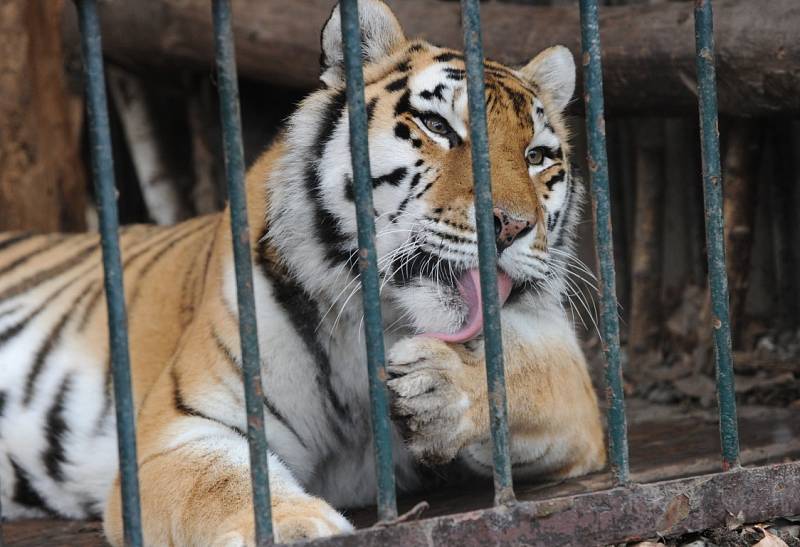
[601, 207]
[105, 189]
[240, 233]
[368, 261]
[487, 251]
[715, 231]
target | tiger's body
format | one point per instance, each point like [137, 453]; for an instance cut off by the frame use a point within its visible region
[57, 432]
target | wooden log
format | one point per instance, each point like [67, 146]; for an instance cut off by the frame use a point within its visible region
[159, 187]
[692, 187]
[42, 182]
[204, 126]
[648, 50]
[742, 161]
[619, 175]
[645, 317]
[782, 191]
[795, 203]
[682, 177]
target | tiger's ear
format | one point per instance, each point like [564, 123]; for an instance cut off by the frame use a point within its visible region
[380, 35]
[553, 71]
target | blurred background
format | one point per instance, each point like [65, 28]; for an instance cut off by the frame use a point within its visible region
[168, 157]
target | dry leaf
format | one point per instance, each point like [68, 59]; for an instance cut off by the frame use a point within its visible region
[770, 540]
[732, 522]
[793, 530]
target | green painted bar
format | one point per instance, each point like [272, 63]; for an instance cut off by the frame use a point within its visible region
[240, 232]
[105, 189]
[601, 206]
[715, 231]
[368, 261]
[487, 251]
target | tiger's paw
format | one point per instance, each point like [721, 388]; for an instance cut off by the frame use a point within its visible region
[295, 518]
[428, 404]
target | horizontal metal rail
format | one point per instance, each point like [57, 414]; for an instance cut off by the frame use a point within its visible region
[618, 515]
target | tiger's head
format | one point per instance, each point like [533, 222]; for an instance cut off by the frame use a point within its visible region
[420, 156]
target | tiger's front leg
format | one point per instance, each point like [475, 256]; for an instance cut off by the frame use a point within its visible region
[436, 397]
[199, 495]
[194, 474]
[440, 402]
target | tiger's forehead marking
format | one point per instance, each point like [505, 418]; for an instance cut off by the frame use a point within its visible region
[434, 78]
[425, 78]
[418, 56]
[544, 134]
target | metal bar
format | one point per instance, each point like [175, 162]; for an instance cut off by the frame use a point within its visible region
[487, 252]
[715, 231]
[601, 207]
[617, 515]
[106, 192]
[240, 233]
[368, 261]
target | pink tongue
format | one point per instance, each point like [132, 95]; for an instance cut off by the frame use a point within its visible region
[470, 288]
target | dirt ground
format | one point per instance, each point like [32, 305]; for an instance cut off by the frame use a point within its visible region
[781, 532]
[680, 371]
[678, 379]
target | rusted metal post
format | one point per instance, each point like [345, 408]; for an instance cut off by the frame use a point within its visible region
[715, 231]
[487, 251]
[601, 207]
[368, 261]
[240, 232]
[106, 192]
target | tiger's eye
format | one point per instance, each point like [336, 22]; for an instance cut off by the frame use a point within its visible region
[534, 156]
[436, 125]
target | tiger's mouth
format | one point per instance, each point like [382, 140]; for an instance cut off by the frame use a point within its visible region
[469, 286]
[459, 287]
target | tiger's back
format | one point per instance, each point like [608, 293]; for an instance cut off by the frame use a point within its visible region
[58, 451]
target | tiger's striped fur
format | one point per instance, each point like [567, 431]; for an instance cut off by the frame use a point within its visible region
[57, 436]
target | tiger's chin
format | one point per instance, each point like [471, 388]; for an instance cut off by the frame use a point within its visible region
[427, 307]
[454, 314]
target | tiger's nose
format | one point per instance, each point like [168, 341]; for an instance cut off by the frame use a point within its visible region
[508, 228]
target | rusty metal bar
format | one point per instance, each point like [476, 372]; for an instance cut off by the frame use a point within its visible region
[715, 231]
[487, 252]
[601, 207]
[368, 261]
[106, 192]
[240, 233]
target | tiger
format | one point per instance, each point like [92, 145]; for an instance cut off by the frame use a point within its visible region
[58, 454]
